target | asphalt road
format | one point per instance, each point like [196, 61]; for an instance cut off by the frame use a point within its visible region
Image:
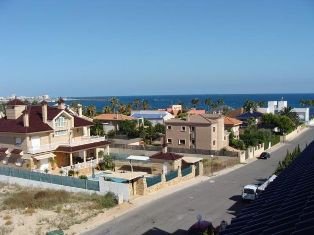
[216, 199]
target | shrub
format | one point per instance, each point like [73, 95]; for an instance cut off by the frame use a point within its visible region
[83, 177]
[71, 173]
[107, 201]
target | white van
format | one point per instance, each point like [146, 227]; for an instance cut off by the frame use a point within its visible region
[249, 192]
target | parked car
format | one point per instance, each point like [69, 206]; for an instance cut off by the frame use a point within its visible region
[264, 155]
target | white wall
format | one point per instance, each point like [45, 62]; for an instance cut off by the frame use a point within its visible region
[116, 188]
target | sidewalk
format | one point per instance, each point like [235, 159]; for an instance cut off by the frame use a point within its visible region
[143, 200]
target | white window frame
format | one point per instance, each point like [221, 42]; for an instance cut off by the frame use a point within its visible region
[169, 127]
[183, 128]
[60, 122]
[61, 133]
[169, 141]
[179, 141]
[214, 142]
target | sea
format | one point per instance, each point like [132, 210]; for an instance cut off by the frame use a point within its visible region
[164, 101]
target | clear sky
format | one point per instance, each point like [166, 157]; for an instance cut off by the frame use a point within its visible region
[133, 47]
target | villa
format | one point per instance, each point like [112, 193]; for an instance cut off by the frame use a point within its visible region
[154, 116]
[111, 121]
[32, 135]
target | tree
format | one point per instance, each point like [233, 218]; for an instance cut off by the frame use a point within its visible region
[114, 103]
[90, 111]
[195, 102]
[287, 111]
[145, 104]
[159, 128]
[208, 102]
[220, 102]
[285, 124]
[136, 103]
[107, 109]
[250, 105]
[97, 129]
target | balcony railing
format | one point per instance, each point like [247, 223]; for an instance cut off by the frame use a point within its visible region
[72, 143]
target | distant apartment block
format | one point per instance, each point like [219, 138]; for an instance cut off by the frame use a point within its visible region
[202, 132]
[276, 106]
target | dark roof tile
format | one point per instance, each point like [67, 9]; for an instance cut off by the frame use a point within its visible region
[166, 156]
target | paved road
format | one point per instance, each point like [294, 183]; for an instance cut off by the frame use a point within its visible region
[215, 199]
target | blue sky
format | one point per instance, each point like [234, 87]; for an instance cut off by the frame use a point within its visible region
[102, 47]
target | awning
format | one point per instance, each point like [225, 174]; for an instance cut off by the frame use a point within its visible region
[192, 160]
[138, 158]
[71, 149]
[4, 151]
[17, 152]
[44, 156]
[126, 175]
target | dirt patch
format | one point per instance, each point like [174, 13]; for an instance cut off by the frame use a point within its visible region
[36, 211]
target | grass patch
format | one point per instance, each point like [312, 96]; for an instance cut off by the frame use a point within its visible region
[52, 199]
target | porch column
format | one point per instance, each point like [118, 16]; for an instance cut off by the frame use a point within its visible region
[71, 159]
[107, 150]
[84, 157]
[96, 151]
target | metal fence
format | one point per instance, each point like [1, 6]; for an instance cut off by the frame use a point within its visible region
[52, 179]
[150, 181]
[186, 171]
[171, 175]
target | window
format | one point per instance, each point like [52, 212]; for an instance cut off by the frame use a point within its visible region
[18, 141]
[59, 133]
[193, 141]
[181, 142]
[214, 142]
[214, 129]
[60, 122]
[169, 141]
[192, 128]
[168, 127]
[182, 128]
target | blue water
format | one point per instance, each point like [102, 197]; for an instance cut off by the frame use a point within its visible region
[164, 101]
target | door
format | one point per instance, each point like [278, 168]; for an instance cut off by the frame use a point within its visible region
[165, 167]
[35, 142]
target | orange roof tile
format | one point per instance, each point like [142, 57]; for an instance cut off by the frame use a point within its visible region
[112, 117]
[232, 121]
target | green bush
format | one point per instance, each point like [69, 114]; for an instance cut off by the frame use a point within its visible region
[71, 173]
[107, 201]
[83, 177]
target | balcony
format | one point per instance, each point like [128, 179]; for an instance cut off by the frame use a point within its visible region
[72, 144]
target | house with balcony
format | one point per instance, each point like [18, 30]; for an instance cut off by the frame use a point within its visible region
[200, 132]
[32, 135]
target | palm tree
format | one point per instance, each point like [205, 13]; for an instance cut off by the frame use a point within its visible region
[220, 102]
[107, 109]
[91, 111]
[195, 102]
[287, 111]
[145, 104]
[114, 102]
[250, 105]
[208, 102]
[136, 103]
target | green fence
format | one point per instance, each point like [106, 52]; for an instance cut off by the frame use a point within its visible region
[52, 179]
[186, 171]
[150, 181]
[171, 175]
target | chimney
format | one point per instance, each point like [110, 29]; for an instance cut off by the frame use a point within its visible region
[26, 118]
[79, 110]
[44, 105]
[61, 104]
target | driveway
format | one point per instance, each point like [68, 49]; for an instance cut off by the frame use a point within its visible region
[215, 199]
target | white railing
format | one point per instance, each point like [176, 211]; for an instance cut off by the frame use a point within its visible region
[81, 165]
[72, 143]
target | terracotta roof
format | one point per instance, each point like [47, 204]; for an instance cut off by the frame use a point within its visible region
[71, 149]
[36, 123]
[166, 156]
[232, 121]
[112, 117]
[3, 150]
[235, 113]
[196, 119]
[196, 111]
[16, 102]
[16, 151]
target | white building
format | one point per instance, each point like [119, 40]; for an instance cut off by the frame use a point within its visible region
[276, 106]
[155, 116]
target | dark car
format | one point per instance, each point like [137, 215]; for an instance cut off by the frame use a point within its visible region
[264, 155]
